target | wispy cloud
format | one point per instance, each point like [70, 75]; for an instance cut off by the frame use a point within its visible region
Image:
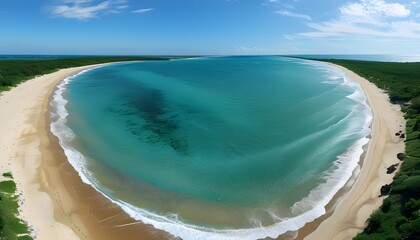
[143, 10]
[122, 7]
[86, 9]
[369, 18]
[291, 14]
[254, 50]
[372, 11]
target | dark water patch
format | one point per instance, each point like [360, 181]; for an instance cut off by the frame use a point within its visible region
[250, 135]
[150, 119]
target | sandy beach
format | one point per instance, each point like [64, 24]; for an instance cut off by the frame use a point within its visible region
[55, 202]
[352, 209]
[58, 205]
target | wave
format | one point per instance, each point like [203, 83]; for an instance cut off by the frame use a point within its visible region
[306, 210]
[64, 134]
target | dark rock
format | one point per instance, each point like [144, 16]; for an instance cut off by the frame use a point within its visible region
[400, 156]
[391, 168]
[397, 134]
[385, 190]
[402, 135]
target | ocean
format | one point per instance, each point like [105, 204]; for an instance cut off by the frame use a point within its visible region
[363, 57]
[216, 148]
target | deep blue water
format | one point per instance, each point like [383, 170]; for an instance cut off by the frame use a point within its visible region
[214, 147]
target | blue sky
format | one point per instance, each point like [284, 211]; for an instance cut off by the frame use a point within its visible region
[218, 27]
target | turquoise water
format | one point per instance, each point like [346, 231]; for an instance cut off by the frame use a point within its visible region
[230, 147]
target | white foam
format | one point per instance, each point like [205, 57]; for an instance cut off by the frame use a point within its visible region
[308, 209]
[63, 132]
[336, 178]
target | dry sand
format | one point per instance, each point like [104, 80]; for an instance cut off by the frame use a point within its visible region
[354, 206]
[58, 205]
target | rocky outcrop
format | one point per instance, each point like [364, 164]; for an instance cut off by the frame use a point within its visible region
[385, 190]
[392, 168]
[400, 156]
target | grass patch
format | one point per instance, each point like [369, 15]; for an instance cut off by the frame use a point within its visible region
[11, 227]
[8, 175]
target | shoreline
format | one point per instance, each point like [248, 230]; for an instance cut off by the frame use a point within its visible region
[75, 210]
[348, 211]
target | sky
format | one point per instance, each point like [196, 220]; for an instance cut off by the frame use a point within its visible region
[209, 27]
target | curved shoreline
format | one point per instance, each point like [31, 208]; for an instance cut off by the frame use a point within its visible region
[50, 178]
[354, 207]
[336, 176]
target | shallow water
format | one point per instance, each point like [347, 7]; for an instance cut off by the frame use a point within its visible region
[227, 147]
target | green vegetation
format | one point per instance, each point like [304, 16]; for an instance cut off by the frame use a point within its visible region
[13, 72]
[7, 175]
[11, 227]
[400, 80]
[399, 216]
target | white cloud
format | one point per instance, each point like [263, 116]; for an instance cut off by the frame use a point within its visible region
[290, 14]
[369, 18]
[143, 10]
[401, 29]
[86, 9]
[372, 11]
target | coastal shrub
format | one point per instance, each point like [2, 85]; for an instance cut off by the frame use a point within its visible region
[8, 175]
[411, 208]
[410, 230]
[413, 146]
[389, 204]
[415, 104]
[7, 187]
[413, 135]
[386, 206]
[374, 222]
[362, 237]
[411, 164]
[409, 187]
[11, 227]
[416, 125]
